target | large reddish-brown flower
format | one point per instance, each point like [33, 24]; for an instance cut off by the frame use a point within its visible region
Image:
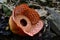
[25, 21]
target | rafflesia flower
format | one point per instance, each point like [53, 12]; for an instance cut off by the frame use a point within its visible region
[25, 21]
